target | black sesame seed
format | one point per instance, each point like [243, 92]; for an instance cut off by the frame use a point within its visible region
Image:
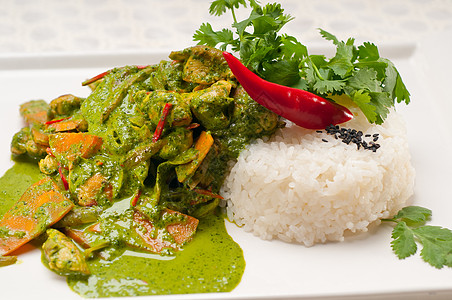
[348, 135]
[326, 141]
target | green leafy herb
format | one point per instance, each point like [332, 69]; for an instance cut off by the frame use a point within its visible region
[411, 231]
[272, 56]
[370, 81]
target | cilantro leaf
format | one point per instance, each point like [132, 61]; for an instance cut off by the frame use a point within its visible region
[368, 52]
[403, 242]
[328, 86]
[364, 102]
[219, 7]
[292, 49]
[400, 91]
[341, 63]
[436, 241]
[437, 244]
[414, 215]
[206, 35]
[365, 79]
[359, 72]
[328, 36]
[284, 72]
[394, 85]
[382, 102]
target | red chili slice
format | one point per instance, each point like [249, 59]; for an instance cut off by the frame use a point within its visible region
[161, 123]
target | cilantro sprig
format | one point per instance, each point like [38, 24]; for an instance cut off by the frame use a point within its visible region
[369, 80]
[411, 231]
[272, 56]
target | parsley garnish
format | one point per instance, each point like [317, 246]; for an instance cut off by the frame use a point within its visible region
[370, 81]
[411, 231]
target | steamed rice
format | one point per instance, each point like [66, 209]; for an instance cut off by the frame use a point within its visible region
[298, 188]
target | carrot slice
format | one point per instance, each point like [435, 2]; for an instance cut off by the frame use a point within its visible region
[34, 112]
[181, 231]
[66, 125]
[203, 145]
[70, 145]
[87, 237]
[90, 190]
[40, 206]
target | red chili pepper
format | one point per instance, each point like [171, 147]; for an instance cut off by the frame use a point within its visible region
[161, 123]
[63, 178]
[49, 151]
[193, 126]
[135, 199]
[301, 107]
[102, 75]
[207, 193]
[95, 78]
[56, 121]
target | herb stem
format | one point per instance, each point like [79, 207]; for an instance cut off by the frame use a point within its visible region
[317, 71]
[233, 15]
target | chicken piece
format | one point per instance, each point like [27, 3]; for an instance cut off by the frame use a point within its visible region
[212, 106]
[203, 64]
[48, 165]
[64, 105]
[62, 256]
[95, 181]
[152, 105]
[176, 142]
[254, 119]
[32, 140]
[29, 141]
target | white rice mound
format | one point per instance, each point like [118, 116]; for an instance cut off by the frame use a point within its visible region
[297, 188]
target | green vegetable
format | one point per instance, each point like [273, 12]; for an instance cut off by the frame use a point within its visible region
[411, 230]
[370, 81]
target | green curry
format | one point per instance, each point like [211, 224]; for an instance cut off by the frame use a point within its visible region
[130, 178]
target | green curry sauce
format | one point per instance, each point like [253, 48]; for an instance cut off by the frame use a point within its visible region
[212, 262]
[15, 181]
[141, 162]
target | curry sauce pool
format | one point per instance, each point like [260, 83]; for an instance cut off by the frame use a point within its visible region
[212, 262]
[129, 173]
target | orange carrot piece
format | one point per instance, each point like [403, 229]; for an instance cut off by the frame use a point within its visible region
[203, 145]
[180, 231]
[34, 112]
[70, 145]
[40, 206]
[89, 191]
[78, 236]
[40, 137]
[87, 237]
[66, 125]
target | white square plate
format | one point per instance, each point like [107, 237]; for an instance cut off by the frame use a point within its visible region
[362, 266]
